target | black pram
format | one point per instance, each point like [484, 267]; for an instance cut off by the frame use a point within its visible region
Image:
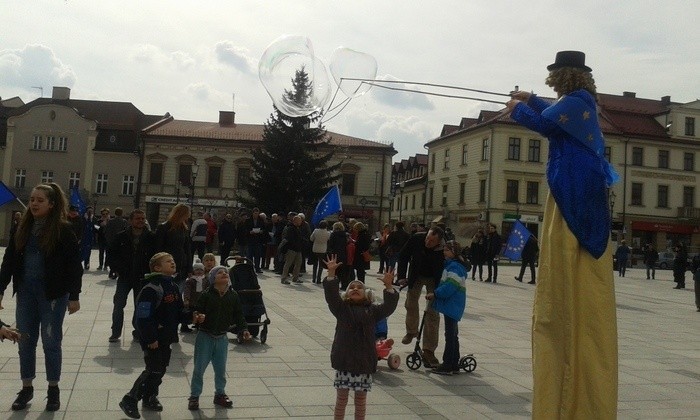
[245, 282]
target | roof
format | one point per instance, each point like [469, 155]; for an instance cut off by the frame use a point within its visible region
[618, 115]
[250, 132]
[122, 115]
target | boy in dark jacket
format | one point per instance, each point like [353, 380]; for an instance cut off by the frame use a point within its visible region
[159, 311]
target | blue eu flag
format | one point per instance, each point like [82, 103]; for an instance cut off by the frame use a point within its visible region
[329, 204]
[76, 200]
[5, 194]
[516, 241]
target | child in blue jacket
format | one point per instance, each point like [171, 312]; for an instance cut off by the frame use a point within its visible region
[450, 299]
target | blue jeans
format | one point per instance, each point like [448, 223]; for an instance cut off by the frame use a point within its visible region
[209, 349]
[450, 357]
[35, 314]
[121, 295]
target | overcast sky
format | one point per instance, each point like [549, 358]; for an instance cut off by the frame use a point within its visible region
[189, 57]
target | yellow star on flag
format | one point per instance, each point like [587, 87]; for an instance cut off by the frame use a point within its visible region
[586, 115]
[563, 118]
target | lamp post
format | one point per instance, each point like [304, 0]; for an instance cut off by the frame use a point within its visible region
[195, 170]
[177, 192]
[611, 199]
[402, 184]
[517, 210]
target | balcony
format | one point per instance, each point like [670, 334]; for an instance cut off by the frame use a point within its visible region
[688, 213]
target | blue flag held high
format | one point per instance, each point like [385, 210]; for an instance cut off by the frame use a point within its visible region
[516, 241]
[5, 194]
[329, 204]
[76, 200]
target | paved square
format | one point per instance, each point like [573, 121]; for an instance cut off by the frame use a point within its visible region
[290, 376]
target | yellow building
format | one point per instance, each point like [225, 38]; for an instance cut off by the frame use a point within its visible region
[489, 169]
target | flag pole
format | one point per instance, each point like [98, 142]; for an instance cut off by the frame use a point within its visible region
[20, 202]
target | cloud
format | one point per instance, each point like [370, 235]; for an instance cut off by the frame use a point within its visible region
[206, 93]
[400, 99]
[150, 54]
[34, 65]
[408, 133]
[234, 56]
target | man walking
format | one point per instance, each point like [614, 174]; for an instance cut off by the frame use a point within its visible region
[529, 257]
[424, 253]
[130, 253]
[651, 256]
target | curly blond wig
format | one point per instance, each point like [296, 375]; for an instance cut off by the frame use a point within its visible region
[568, 79]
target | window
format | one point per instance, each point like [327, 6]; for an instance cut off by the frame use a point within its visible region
[637, 156]
[447, 159]
[20, 178]
[608, 153]
[512, 190]
[349, 184]
[662, 196]
[688, 196]
[422, 201]
[46, 177]
[432, 163]
[405, 202]
[464, 154]
[513, 148]
[50, 143]
[533, 151]
[155, 173]
[74, 180]
[689, 126]
[482, 190]
[430, 197]
[38, 142]
[689, 161]
[462, 190]
[185, 174]
[443, 202]
[128, 185]
[242, 178]
[637, 189]
[485, 149]
[62, 144]
[663, 159]
[214, 177]
[533, 192]
[413, 201]
[101, 185]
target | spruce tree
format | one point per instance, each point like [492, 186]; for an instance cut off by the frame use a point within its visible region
[290, 172]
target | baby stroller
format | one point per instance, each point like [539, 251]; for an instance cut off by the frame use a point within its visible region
[415, 359]
[245, 282]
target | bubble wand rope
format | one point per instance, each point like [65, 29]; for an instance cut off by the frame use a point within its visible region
[370, 81]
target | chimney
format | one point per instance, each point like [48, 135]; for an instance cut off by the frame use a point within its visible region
[59, 92]
[665, 100]
[227, 118]
[629, 94]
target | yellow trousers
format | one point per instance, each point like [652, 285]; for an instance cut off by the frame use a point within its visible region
[574, 328]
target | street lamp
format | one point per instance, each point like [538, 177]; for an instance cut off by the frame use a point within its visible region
[611, 198]
[517, 210]
[402, 184]
[195, 170]
[177, 192]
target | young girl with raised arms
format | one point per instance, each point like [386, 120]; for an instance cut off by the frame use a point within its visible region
[354, 355]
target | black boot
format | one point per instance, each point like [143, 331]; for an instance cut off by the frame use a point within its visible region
[151, 402]
[23, 397]
[130, 407]
[53, 398]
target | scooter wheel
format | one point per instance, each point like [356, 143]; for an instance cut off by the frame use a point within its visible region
[394, 361]
[468, 363]
[413, 361]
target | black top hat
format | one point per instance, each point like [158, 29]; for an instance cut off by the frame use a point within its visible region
[575, 59]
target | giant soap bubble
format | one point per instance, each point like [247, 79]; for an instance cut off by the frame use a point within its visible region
[350, 64]
[278, 67]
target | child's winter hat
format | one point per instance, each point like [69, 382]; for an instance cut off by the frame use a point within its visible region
[212, 273]
[197, 265]
[369, 294]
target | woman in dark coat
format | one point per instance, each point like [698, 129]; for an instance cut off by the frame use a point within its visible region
[173, 237]
[337, 245]
[477, 254]
[362, 243]
[680, 264]
[43, 262]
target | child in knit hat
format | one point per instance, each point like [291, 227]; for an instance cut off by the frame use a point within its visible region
[217, 310]
[195, 285]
